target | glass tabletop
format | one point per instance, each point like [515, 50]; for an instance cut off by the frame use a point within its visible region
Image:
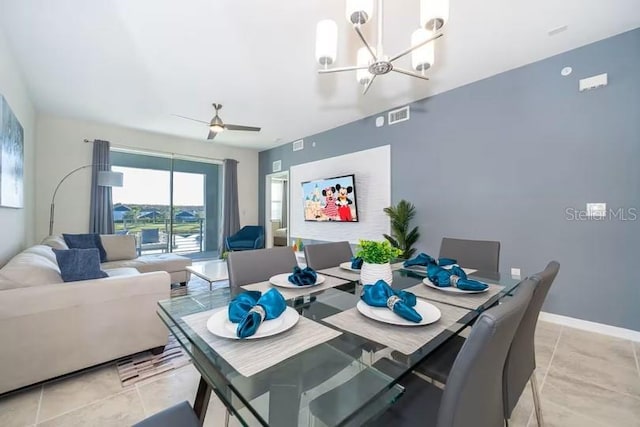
[354, 373]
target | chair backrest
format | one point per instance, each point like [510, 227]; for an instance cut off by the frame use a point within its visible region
[483, 255]
[473, 395]
[253, 231]
[258, 265]
[325, 255]
[521, 360]
[150, 235]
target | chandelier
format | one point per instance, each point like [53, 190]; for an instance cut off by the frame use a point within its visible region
[372, 61]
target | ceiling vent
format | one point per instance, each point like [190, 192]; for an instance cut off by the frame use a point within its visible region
[298, 145]
[399, 115]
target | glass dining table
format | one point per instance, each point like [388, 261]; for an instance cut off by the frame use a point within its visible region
[335, 365]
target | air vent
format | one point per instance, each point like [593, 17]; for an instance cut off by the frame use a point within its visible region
[276, 166]
[399, 115]
[298, 145]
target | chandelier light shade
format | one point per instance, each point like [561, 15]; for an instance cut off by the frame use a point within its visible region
[422, 58]
[326, 42]
[364, 59]
[434, 14]
[359, 11]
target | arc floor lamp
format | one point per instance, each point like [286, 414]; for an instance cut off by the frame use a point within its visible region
[105, 179]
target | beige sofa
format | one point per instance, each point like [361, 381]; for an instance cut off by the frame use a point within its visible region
[50, 328]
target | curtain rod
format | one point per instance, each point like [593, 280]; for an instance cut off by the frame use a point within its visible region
[158, 151]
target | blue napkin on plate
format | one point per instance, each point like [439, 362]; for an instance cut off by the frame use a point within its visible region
[454, 276]
[250, 308]
[303, 276]
[381, 294]
[425, 259]
[356, 263]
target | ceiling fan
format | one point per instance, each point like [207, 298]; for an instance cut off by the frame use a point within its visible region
[216, 125]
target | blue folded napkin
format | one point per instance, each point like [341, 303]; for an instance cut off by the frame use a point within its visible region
[303, 276]
[425, 259]
[356, 263]
[381, 294]
[250, 308]
[454, 276]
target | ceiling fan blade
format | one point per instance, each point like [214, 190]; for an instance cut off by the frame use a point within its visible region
[211, 135]
[239, 127]
[189, 118]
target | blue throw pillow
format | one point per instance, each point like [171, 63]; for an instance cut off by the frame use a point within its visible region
[79, 264]
[86, 241]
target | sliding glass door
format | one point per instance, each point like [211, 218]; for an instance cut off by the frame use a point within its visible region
[169, 204]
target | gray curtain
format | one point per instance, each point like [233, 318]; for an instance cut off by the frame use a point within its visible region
[230, 210]
[101, 208]
[285, 203]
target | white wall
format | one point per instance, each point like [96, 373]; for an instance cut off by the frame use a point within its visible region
[372, 170]
[60, 149]
[16, 225]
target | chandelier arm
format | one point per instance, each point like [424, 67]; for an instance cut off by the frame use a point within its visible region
[366, 44]
[411, 49]
[366, 88]
[409, 73]
[341, 69]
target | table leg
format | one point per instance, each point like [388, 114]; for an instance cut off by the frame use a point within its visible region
[202, 399]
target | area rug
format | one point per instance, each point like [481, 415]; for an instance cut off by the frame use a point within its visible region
[144, 365]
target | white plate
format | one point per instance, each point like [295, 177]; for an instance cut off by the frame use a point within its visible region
[282, 280]
[451, 289]
[220, 325]
[347, 266]
[429, 312]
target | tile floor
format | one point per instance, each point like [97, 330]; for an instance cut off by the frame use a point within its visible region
[586, 380]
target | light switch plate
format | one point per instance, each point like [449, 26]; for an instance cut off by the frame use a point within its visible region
[515, 273]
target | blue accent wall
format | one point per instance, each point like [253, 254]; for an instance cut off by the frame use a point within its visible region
[507, 158]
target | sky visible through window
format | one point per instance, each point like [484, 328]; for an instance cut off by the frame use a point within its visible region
[151, 187]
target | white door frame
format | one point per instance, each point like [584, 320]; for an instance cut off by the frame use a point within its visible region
[267, 206]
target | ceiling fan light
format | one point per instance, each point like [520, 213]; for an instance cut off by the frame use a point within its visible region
[423, 57]
[326, 42]
[363, 76]
[434, 14]
[216, 128]
[359, 11]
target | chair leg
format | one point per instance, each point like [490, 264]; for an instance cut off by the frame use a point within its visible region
[226, 417]
[536, 399]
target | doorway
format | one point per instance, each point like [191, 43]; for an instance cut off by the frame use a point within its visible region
[277, 209]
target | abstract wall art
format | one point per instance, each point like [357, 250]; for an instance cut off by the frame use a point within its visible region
[11, 158]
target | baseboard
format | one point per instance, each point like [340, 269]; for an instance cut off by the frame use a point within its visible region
[585, 325]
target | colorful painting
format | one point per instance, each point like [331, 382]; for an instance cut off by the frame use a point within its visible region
[331, 199]
[11, 158]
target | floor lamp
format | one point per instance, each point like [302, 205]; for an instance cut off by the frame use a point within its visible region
[105, 179]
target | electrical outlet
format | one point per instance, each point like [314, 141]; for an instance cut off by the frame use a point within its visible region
[515, 273]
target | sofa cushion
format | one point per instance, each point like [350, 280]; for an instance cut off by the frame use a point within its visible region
[119, 246]
[33, 267]
[155, 262]
[79, 264]
[86, 241]
[55, 242]
[125, 271]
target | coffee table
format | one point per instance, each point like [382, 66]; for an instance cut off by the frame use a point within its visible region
[211, 271]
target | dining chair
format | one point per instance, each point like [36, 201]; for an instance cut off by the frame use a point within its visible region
[324, 255]
[177, 415]
[247, 267]
[483, 255]
[473, 394]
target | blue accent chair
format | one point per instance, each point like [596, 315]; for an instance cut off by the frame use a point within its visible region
[249, 237]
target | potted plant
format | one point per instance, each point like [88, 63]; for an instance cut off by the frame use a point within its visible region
[376, 257]
[401, 237]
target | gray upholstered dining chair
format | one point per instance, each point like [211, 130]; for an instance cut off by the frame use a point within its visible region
[483, 255]
[178, 415]
[325, 255]
[258, 265]
[473, 395]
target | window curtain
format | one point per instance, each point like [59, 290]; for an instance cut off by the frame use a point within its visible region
[230, 210]
[101, 208]
[284, 205]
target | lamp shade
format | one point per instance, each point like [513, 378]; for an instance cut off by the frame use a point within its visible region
[423, 57]
[359, 11]
[110, 179]
[326, 42]
[364, 59]
[434, 14]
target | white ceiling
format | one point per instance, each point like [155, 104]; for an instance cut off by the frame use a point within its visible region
[135, 63]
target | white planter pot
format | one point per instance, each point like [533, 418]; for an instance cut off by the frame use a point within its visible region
[371, 273]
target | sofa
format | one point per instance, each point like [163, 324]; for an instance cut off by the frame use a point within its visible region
[50, 328]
